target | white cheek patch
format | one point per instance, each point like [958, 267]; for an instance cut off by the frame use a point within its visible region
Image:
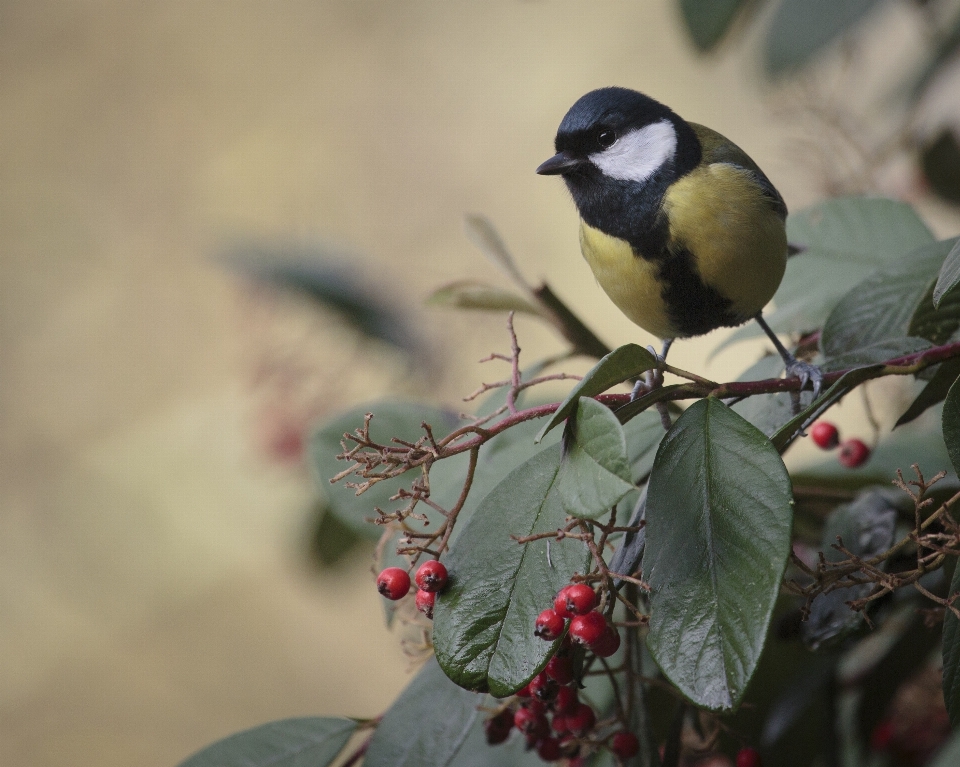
[639, 154]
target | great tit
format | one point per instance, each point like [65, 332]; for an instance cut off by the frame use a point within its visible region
[681, 228]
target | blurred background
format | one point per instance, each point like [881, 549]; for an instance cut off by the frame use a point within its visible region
[165, 166]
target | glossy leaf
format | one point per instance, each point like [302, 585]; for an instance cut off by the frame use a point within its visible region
[844, 240]
[622, 364]
[707, 21]
[469, 294]
[391, 419]
[938, 324]
[483, 623]
[949, 275]
[951, 425]
[801, 28]
[718, 533]
[882, 306]
[595, 470]
[933, 393]
[865, 527]
[305, 742]
[951, 656]
[426, 725]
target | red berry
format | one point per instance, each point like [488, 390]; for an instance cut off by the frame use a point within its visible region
[581, 721]
[748, 757]
[825, 435]
[587, 629]
[531, 722]
[607, 644]
[549, 625]
[625, 745]
[882, 735]
[853, 453]
[560, 669]
[497, 729]
[425, 602]
[566, 701]
[548, 749]
[393, 583]
[560, 723]
[560, 604]
[432, 576]
[580, 598]
[543, 688]
[523, 692]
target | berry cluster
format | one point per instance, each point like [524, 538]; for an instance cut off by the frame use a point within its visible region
[853, 452]
[548, 711]
[431, 578]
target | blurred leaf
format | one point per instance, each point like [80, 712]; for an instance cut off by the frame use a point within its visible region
[940, 162]
[866, 528]
[483, 622]
[595, 470]
[718, 529]
[949, 754]
[801, 28]
[476, 752]
[949, 275]
[875, 353]
[314, 741]
[426, 725]
[482, 233]
[331, 280]
[707, 21]
[332, 540]
[951, 655]
[391, 419]
[469, 294]
[951, 425]
[844, 240]
[843, 385]
[622, 364]
[933, 393]
[882, 306]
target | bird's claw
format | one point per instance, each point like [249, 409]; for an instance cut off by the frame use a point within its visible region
[808, 375]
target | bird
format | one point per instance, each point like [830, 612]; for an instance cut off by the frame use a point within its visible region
[681, 229]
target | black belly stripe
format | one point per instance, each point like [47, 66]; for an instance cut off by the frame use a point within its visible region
[695, 308]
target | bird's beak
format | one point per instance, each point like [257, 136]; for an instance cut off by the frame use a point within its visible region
[558, 164]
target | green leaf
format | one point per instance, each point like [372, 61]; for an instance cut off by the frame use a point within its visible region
[622, 364]
[483, 623]
[801, 28]
[718, 533]
[707, 21]
[469, 294]
[951, 425]
[768, 412]
[866, 528]
[391, 419]
[845, 384]
[938, 324]
[883, 305]
[332, 541]
[951, 656]
[426, 725]
[307, 742]
[949, 275]
[595, 470]
[949, 753]
[844, 240]
[933, 393]
[875, 353]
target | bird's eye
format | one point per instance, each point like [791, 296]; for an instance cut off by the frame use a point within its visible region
[606, 138]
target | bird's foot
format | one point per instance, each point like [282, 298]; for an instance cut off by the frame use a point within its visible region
[652, 380]
[809, 375]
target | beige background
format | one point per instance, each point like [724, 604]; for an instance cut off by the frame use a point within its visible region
[154, 591]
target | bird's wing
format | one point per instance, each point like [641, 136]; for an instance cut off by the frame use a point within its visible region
[717, 148]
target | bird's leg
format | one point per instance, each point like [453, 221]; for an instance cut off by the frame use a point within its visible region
[653, 380]
[807, 373]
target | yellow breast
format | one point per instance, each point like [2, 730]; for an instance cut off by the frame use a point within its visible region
[631, 282]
